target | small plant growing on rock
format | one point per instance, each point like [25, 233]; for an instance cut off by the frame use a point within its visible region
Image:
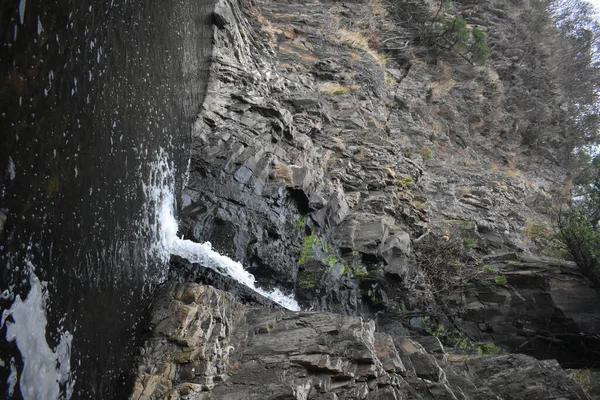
[447, 263]
[407, 181]
[500, 280]
[488, 348]
[425, 153]
[581, 376]
[333, 89]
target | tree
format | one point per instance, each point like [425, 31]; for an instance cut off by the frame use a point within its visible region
[578, 225]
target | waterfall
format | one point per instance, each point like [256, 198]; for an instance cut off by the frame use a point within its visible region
[159, 192]
[44, 369]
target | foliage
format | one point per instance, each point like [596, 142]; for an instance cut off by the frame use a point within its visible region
[581, 376]
[582, 241]
[488, 348]
[406, 181]
[307, 249]
[449, 263]
[500, 280]
[480, 49]
[577, 66]
[301, 221]
[426, 153]
[453, 33]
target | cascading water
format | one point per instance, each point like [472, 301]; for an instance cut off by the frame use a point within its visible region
[160, 195]
[87, 223]
[44, 369]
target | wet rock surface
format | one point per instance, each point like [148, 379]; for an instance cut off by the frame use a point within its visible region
[541, 307]
[206, 345]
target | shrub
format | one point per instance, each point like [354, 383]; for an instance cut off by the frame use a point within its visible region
[582, 241]
[480, 49]
[500, 280]
[425, 153]
[449, 264]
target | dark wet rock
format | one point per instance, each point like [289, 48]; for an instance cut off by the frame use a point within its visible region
[542, 307]
[205, 345]
[2, 221]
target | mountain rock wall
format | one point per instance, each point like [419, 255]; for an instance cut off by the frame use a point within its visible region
[330, 145]
[205, 345]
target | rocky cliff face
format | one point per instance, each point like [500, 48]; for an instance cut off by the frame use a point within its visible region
[328, 148]
[205, 345]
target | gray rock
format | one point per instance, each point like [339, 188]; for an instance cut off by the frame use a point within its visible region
[205, 345]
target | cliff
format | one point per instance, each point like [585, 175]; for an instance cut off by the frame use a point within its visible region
[208, 346]
[343, 160]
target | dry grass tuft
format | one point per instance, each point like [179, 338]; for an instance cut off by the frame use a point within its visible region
[378, 10]
[282, 173]
[462, 192]
[444, 83]
[336, 89]
[357, 40]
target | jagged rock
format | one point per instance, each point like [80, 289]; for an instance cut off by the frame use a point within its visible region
[318, 172]
[545, 308]
[205, 345]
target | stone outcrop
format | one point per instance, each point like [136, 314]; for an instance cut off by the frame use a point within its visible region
[542, 307]
[320, 155]
[206, 345]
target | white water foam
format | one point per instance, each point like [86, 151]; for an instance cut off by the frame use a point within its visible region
[160, 192]
[44, 369]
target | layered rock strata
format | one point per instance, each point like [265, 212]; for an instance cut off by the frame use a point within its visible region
[206, 345]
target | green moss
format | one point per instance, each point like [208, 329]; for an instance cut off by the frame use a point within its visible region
[307, 283]
[488, 348]
[513, 262]
[331, 260]
[440, 331]
[390, 81]
[301, 221]
[582, 377]
[489, 269]
[469, 243]
[407, 181]
[307, 249]
[425, 153]
[500, 280]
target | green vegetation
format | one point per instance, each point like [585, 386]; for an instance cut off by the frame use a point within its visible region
[426, 153]
[357, 271]
[480, 49]
[582, 240]
[334, 89]
[390, 80]
[581, 376]
[500, 280]
[307, 249]
[307, 283]
[488, 348]
[460, 341]
[490, 269]
[407, 181]
[301, 221]
[469, 243]
[450, 260]
[513, 262]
